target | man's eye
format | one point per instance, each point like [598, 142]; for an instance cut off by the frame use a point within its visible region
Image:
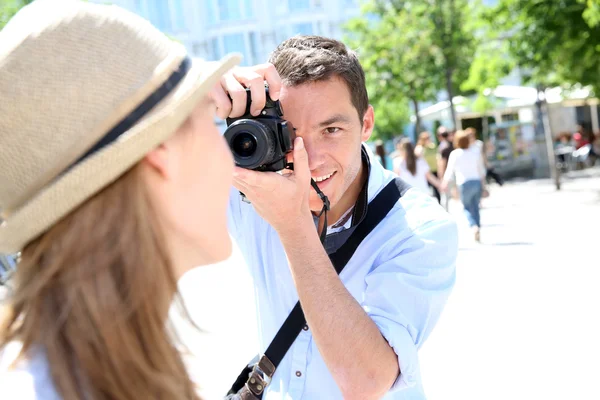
[332, 130]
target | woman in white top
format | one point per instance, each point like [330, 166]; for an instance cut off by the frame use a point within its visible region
[114, 182]
[412, 169]
[466, 164]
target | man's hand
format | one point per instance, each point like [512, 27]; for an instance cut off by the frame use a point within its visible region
[234, 84]
[280, 199]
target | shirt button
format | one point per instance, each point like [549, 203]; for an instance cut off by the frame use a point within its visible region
[298, 374]
[305, 327]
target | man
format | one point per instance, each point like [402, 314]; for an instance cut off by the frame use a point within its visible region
[363, 328]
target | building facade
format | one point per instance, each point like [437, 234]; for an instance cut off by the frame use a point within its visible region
[212, 28]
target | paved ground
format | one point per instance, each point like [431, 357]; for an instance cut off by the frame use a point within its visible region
[523, 321]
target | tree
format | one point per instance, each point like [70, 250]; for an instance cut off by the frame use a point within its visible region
[438, 35]
[398, 63]
[8, 8]
[553, 42]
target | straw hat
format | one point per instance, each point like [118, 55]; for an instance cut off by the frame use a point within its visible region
[86, 90]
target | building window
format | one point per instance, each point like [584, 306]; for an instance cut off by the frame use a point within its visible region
[228, 10]
[215, 49]
[236, 43]
[303, 29]
[255, 48]
[166, 15]
[298, 5]
[159, 14]
[178, 15]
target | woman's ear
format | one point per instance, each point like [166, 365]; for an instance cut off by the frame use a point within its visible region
[158, 160]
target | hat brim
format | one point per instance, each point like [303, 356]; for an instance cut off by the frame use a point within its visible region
[90, 176]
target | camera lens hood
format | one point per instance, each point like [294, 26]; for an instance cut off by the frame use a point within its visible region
[259, 143]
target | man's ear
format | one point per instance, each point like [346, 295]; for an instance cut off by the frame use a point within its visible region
[158, 160]
[368, 124]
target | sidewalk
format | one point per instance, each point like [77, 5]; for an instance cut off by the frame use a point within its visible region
[522, 320]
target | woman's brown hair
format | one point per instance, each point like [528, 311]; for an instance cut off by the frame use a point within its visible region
[92, 294]
[409, 155]
[461, 140]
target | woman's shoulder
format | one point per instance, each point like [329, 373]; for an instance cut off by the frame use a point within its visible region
[27, 379]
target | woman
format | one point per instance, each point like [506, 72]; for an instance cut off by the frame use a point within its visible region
[105, 191]
[465, 162]
[412, 169]
[380, 153]
[428, 150]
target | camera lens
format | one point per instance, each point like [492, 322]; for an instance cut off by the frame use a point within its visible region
[244, 144]
[252, 143]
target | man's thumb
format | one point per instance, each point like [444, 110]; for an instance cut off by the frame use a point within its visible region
[301, 160]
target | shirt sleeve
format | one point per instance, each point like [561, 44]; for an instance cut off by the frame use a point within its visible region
[424, 165]
[480, 167]
[405, 294]
[450, 167]
[234, 213]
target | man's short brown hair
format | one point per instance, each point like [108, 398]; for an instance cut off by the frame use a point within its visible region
[304, 59]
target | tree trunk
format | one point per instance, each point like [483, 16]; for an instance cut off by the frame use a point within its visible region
[418, 118]
[544, 122]
[450, 92]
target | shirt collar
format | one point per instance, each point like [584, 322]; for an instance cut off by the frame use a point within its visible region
[375, 179]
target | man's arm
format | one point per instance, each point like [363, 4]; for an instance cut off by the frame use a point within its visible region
[360, 359]
[362, 363]
[441, 166]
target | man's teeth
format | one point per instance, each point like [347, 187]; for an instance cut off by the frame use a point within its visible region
[322, 178]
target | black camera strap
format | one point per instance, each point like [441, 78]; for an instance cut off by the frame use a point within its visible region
[257, 375]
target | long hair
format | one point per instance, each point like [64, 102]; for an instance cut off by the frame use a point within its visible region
[93, 295]
[380, 151]
[409, 155]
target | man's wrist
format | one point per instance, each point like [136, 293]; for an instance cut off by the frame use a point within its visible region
[298, 230]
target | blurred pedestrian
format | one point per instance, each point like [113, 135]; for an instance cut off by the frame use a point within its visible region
[478, 146]
[396, 152]
[581, 137]
[427, 149]
[414, 170]
[596, 147]
[443, 153]
[109, 147]
[380, 153]
[467, 168]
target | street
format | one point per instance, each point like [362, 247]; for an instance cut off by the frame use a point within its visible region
[522, 322]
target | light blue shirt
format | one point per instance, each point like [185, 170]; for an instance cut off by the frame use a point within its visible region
[401, 274]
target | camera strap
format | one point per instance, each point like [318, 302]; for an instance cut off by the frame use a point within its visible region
[326, 207]
[253, 380]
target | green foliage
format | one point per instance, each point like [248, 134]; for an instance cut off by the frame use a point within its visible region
[554, 42]
[413, 49]
[8, 8]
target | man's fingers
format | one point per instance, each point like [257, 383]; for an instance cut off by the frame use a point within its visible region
[272, 77]
[234, 84]
[222, 101]
[256, 82]
[265, 181]
[237, 92]
[301, 169]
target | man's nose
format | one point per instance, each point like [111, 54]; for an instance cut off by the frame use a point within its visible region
[315, 158]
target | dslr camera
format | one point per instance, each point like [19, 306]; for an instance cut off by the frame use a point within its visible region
[260, 143]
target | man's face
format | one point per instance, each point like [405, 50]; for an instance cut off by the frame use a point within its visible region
[323, 115]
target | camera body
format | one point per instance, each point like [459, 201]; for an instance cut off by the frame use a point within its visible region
[260, 143]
